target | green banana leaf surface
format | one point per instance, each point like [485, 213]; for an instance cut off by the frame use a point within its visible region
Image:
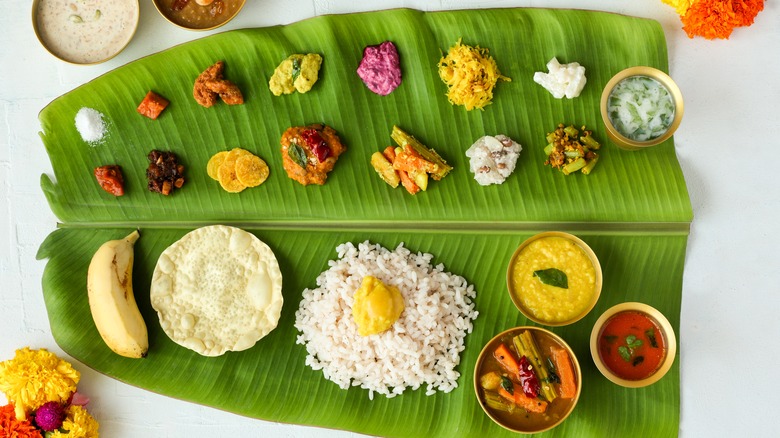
[633, 210]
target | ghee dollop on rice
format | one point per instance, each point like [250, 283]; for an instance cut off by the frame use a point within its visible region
[421, 348]
[217, 289]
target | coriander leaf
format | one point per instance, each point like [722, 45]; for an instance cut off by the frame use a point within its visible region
[633, 342]
[624, 353]
[507, 385]
[553, 277]
[297, 154]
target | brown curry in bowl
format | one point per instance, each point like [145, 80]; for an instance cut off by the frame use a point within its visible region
[199, 14]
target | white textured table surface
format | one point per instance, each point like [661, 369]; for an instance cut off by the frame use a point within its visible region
[727, 144]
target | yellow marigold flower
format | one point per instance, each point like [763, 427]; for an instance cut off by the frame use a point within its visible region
[34, 377]
[680, 5]
[78, 424]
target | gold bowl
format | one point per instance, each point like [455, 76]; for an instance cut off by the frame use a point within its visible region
[85, 33]
[621, 140]
[663, 326]
[194, 16]
[585, 306]
[556, 412]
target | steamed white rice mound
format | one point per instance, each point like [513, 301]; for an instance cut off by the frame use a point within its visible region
[422, 348]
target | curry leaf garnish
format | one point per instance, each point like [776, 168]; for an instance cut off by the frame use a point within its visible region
[296, 68]
[553, 277]
[624, 353]
[552, 373]
[297, 154]
[638, 360]
[507, 385]
[650, 333]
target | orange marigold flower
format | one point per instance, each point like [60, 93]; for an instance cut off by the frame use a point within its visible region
[10, 427]
[718, 18]
[34, 377]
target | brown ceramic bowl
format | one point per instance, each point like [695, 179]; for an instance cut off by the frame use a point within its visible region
[562, 407]
[193, 16]
[665, 328]
[521, 298]
[85, 33]
[614, 134]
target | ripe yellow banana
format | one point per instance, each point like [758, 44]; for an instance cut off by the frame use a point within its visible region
[111, 299]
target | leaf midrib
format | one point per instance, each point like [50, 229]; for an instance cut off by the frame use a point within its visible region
[481, 227]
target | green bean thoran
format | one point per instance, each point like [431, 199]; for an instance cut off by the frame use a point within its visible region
[569, 151]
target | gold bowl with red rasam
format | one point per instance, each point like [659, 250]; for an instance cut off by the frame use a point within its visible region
[633, 345]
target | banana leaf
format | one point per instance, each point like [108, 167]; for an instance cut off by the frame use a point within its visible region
[633, 210]
[625, 186]
[271, 381]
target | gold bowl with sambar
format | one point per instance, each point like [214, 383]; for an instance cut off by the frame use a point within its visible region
[527, 380]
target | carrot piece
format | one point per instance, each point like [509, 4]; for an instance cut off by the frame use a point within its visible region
[152, 105]
[409, 160]
[408, 182]
[389, 153]
[507, 360]
[519, 398]
[565, 372]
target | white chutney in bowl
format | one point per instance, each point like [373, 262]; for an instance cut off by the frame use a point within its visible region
[85, 31]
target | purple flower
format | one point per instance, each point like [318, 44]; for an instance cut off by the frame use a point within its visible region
[50, 416]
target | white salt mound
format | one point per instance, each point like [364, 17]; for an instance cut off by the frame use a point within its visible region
[90, 124]
[422, 348]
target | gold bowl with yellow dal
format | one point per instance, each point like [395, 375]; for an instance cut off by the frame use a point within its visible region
[554, 278]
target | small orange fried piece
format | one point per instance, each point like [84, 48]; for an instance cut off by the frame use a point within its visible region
[152, 105]
[227, 91]
[211, 85]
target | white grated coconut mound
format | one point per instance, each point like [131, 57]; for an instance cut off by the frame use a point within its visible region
[422, 348]
[493, 159]
[562, 79]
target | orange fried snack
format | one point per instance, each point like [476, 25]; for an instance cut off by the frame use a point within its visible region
[152, 105]
[211, 85]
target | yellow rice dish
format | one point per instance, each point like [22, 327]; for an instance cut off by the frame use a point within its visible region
[549, 303]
